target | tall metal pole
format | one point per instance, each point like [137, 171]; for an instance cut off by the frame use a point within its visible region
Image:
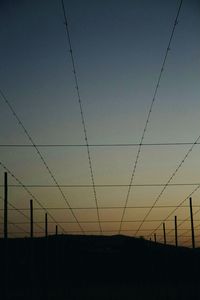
[155, 240]
[46, 225]
[5, 259]
[31, 252]
[164, 234]
[192, 224]
[56, 229]
[176, 232]
[31, 218]
[5, 205]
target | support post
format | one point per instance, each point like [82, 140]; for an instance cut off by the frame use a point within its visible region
[176, 232]
[31, 218]
[5, 259]
[47, 256]
[5, 205]
[46, 225]
[155, 240]
[192, 224]
[56, 229]
[164, 234]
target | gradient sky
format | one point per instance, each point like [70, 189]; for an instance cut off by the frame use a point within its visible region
[118, 48]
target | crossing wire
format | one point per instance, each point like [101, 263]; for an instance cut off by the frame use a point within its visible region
[12, 223]
[183, 235]
[15, 208]
[28, 191]
[176, 208]
[81, 109]
[109, 221]
[39, 153]
[96, 145]
[169, 180]
[20, 212]
[150, 111]
[86, 231]
[102, 185]
[107, 207]
[188, 218]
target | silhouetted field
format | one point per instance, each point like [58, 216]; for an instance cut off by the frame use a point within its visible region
[91, 267]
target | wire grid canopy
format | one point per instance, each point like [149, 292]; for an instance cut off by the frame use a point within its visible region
[74, 159]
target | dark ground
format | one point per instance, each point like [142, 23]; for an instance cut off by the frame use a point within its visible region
[97, 268]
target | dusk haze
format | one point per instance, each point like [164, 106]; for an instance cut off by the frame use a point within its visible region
[99, 147]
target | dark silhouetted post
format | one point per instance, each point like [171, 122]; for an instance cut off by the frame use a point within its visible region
[5, 205]
[47, 255]
[46, 225]
[56, 229]
[155, 240]
[31, 253]
[176, 232]
[5, 260]
[31, 218]
[192, 224]
[164, 234]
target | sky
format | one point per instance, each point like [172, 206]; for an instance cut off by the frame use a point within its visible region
[118, 48]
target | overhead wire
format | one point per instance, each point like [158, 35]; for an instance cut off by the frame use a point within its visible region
[103, 221]
[86, 231]
[150, 111]
[188, 219]
[15, 224]
[28, 191]
[102, 185]
[176, 208]
[169, 180]
[96, 145]
[81, 109]
[107, 207]
[20, 212]
[183, 235]
[111, 145]
[5, 99]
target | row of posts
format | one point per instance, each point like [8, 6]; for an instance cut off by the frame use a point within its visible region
[31, 213]
[46, 218]
[176, 230]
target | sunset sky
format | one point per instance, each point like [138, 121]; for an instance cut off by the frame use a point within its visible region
[118, 48]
